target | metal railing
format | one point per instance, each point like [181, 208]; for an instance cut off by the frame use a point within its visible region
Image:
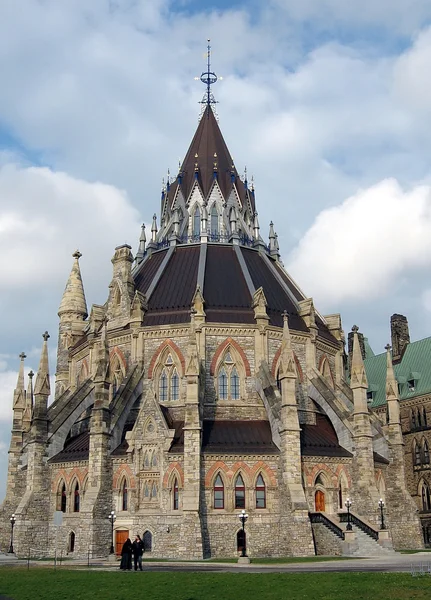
[355, 520]
[319, 517]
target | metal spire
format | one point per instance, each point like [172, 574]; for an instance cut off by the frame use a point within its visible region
[208, 78]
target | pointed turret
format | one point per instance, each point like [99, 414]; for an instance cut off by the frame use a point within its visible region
[19, 392]
[72, 313]
[256, 227]
[42, 386]
[73, 300]
[363, 462]
[154, 229]
[358, 378]
[141, 250]
[287, 361]
[28, 411]
[393, 400]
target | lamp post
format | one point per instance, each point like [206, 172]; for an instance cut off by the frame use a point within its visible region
[12, 523]
[243, 516]
[382, 516]
[111, 518]
[348, 505]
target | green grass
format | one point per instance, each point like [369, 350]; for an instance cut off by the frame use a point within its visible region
[47, 584]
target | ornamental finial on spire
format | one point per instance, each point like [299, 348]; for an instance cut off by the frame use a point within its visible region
[208, 78]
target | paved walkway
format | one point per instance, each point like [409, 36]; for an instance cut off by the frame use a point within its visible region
[420, 562]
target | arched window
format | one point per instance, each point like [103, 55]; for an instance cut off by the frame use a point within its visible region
[229, 382]
[260, 493]
[419, 418]
[124, 496]
[155, 460]
[340, 496]
[424, 417]
[218, 492]
[426, 453]
[197, 222]
[175, 385]
[214, 221]
[163, 386]
[147, 539]
[169, 381]
[426, 497]
[417, 454]
[63, 498]
[239, 492]
[76, 498]
[154, 491]
[175, 495]
[413, 419]
[222, 384]
[234, 384]
[71, 544]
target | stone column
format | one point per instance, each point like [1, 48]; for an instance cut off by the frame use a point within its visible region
[295, 528]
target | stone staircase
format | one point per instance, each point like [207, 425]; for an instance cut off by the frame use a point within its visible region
[331, 537]
[367, 547]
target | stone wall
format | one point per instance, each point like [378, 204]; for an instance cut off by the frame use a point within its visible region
[326, 543]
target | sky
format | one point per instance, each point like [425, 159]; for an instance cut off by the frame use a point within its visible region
[327, 103]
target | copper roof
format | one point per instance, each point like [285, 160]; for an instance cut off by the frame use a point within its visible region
[208, 147]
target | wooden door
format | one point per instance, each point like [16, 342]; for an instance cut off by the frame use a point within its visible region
[120, 537]
[319, 501]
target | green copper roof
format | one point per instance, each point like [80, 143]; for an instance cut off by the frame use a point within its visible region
[415, 365]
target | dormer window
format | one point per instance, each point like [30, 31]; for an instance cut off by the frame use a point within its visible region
[370, 396]
[411, 385]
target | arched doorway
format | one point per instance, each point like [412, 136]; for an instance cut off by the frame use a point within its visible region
[148, 541]
[319, 501]
[240, 540]
[121, 536]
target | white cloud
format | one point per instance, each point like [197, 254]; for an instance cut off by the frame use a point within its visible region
[358, 249]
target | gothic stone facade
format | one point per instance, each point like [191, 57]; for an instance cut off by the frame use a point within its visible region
[188, 396]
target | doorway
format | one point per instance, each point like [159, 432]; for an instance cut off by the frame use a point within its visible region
[148, 541]
[120, 537]
[319, 501]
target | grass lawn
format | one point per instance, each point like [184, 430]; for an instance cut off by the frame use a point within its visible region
[47, 584]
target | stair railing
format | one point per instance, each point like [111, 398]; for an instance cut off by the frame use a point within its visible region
[320, 517]
[365, 527]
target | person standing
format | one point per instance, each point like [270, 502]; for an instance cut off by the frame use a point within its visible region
[126, 555]
[138, 549]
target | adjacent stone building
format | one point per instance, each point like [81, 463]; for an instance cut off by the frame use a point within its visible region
[412, 367]
[206, 383]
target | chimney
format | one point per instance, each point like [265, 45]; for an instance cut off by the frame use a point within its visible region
[400, 336]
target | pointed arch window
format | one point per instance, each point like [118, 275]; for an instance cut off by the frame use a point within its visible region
[222, 384]
[197, 222]
[426, 453]
[426, 497]
[163, 386]
[175, 495]
[218, 492]
[417, 454]
[214, 221]
[61, 497]
[228, 379]
[419, 418]
[76, 498]
[175, 385]
[239, 492]
[124, 496]
[154, 492]
[413, 419]
[424, 417]
[169, 381]
[260, 493]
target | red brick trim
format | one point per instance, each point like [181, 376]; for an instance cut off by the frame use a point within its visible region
[123, 470]
[174, 467]
[160, 349]
[230, 342]
[298, 366]
[218, 466]
[261, 467]
[117, 351]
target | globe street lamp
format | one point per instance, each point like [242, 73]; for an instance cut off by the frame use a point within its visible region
[382, 516]
[111, 518]
[348, 504]
[243, 516]
[12, 523]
